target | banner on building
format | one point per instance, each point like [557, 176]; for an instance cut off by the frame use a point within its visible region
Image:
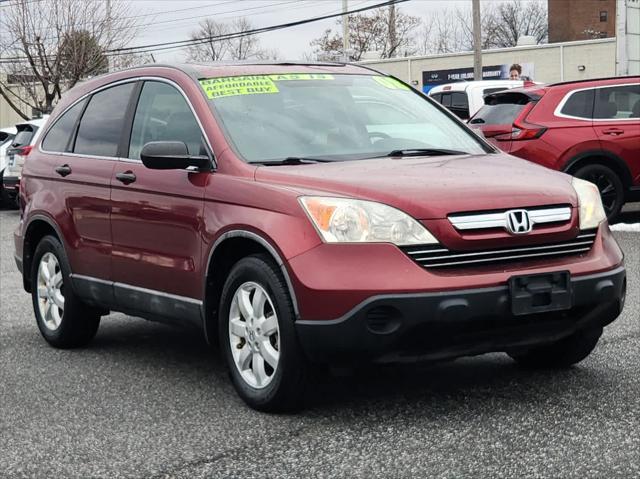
[432, 78]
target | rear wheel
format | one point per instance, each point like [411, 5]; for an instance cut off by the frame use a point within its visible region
[561, 354]
[609, 184]
[63, 319]
[257, 336]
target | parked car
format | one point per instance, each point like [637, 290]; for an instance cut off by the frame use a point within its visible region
[6, 137]
[465, 98]
[590, 129]
[26, 135]
[266, 206]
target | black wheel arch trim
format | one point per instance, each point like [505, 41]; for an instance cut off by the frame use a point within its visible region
[266, 244]
[627, 180]
[27, 264]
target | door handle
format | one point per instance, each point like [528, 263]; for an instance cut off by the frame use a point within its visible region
[613, 131]
[126, 177]
[63, 170]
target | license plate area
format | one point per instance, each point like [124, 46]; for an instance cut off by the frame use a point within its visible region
[539, 293]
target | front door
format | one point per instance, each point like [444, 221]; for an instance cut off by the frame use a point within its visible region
[156, 216]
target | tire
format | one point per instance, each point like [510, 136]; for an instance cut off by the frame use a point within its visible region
[63, 319]
[561, 354]
[257, 382]
[609, 184]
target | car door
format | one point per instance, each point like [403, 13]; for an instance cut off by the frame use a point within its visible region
[616, 119]
[157, 214]
[78, 154]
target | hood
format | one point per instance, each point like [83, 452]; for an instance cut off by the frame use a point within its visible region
[431, 187]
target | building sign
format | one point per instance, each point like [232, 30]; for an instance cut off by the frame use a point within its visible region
[432, 78]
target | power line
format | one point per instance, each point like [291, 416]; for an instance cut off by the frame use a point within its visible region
[154, 47]
[168, 45]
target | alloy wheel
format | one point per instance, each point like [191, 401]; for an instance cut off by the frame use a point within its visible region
[50, 297]
[254, 335]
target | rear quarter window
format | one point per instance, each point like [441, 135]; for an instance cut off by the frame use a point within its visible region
[579, 104]
[57, 138]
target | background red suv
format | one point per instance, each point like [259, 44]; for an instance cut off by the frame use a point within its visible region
[590, 129]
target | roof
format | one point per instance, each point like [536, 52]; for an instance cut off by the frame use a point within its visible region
[464, 85]
[219, 69]
[589, 80]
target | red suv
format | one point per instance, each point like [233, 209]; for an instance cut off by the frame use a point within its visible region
[589, 129]
[306, 214]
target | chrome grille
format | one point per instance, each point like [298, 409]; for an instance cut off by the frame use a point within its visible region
[435, 256]
[477, 221]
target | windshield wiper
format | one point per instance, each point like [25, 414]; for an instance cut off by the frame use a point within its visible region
[293, 160]
[425, 152]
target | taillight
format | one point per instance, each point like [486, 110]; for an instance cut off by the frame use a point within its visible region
[24, 151]
[522, 130]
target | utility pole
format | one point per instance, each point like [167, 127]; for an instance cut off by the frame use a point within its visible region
[345, 30]
[392, 30]
[109, 39]
[477, 41]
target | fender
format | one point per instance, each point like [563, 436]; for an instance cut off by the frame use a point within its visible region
[619, 163]
[26, 260]
[262, 242]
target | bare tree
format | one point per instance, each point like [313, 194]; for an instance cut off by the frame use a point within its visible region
[226, 41]
[516, 18]
[385, 31]
[503, 24]
[49, 46]
[211, 50]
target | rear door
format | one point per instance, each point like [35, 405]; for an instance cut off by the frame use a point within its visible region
[616, 120]
[157, 214]
[79, 153]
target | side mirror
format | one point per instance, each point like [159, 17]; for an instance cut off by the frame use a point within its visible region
[170, 155]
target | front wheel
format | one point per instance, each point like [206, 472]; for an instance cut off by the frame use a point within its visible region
[257, 336]
[63, 319]
[561, 354]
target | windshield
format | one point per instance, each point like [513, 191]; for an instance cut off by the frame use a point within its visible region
[336, 117]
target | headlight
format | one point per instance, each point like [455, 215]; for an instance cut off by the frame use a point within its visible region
[344, 220]
[591, 210]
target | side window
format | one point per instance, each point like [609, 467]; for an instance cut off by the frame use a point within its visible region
[101, 125]
[617, 102]
[446, 99]
[437, 97]
[163, 114]
[58, 136]
[460, 104]
[579, 104]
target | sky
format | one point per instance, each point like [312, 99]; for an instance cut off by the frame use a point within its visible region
[291, 43]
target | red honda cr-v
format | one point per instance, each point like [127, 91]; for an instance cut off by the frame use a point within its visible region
[590, 129]
[306, 214]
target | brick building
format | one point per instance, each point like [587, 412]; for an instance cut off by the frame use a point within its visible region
[571, 20]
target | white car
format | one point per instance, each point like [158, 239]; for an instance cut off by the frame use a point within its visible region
[465, 98]
[6, 138]
[26, 135]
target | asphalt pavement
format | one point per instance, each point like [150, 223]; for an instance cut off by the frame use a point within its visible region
[147, 400]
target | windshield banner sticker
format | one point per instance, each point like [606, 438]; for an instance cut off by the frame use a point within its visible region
[301, 76]
[240, 85]
[390, 83]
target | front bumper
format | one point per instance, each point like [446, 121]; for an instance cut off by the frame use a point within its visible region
[456, 323]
